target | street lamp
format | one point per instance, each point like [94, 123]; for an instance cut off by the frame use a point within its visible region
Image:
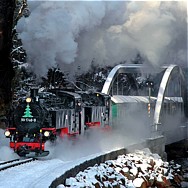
[150, 85]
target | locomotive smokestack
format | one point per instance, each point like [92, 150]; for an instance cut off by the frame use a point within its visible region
[34, 92]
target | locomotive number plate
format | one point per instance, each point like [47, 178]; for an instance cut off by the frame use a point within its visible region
[29, 120]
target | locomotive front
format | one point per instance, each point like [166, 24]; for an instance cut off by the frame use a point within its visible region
[30, 127]
[28, 117]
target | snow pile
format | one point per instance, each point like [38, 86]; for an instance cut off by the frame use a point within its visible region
[140, 169]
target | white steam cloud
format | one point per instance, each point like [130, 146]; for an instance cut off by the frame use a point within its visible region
[6, 153]
[73, 33]
[92, 142]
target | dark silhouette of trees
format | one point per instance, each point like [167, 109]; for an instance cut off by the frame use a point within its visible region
[7, 8]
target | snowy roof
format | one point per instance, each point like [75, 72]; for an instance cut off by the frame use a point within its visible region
[142, 99]
[131, 99]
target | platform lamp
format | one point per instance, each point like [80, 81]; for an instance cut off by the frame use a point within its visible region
[150, 85]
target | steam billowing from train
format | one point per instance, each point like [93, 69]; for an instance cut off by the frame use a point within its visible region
[73, 34]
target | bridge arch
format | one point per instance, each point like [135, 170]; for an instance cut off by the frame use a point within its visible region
[122, 68]
[169, 72]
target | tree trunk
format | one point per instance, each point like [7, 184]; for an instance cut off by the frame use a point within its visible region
[6, 69]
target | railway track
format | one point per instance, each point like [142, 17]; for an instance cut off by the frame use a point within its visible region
[16, 162]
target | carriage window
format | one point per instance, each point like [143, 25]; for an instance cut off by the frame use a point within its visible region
[78, 105]
[67, 102]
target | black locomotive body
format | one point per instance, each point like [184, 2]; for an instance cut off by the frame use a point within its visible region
[45, 115]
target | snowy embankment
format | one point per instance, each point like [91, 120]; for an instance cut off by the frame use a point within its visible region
[65, 156]
[140, 169]
[38, 174]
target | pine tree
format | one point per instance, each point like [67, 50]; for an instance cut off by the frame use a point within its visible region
[27, 112]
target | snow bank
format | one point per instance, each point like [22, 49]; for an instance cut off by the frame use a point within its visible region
[139, 169]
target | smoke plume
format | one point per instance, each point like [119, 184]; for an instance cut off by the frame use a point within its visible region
[75, 33]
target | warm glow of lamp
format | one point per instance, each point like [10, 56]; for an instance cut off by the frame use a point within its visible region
[28, 100]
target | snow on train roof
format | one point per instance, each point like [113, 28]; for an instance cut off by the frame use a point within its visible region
[142, 99]
[75, 95]
[127, 99]
[174, 99]
[63, 92]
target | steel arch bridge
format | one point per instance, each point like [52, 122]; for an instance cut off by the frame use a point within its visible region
[169, 71]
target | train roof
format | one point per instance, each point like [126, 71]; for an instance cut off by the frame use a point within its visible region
[59, 93]
[131, 99]
[91, 92]
[118, 99]
[174, 99]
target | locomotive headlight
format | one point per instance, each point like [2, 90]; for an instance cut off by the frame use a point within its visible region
[28, 99]
[7, 133]
[46, 133]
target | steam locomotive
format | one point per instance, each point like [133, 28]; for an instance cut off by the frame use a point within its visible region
[46, 115]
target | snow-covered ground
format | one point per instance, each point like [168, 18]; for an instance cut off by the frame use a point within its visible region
[63, 156]
[38, 174]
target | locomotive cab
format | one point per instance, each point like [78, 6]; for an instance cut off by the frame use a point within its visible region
[68, 118]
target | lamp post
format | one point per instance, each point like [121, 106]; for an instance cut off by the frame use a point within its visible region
[149, 84]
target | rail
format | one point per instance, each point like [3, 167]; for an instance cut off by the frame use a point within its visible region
[16, 162]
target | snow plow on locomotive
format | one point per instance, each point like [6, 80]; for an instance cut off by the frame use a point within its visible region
[45, 115]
